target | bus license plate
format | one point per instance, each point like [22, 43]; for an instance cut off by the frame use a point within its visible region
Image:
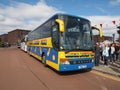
[82, 66]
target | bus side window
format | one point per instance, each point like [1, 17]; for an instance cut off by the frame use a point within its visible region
[55, 36]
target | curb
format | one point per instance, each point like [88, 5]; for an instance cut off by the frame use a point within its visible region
[116, 75]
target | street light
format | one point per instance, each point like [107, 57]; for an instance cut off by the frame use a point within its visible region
[113, 37]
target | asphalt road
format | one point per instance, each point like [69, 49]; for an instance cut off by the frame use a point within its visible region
[19, 71]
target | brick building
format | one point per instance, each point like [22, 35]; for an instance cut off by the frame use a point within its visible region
[3, 38]
[13, 37]
[103, 38]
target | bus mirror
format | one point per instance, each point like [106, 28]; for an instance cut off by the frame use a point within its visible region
[61, 24]
[99, 29]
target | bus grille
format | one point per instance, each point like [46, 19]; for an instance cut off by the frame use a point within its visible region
[80, 62]
[81, 56]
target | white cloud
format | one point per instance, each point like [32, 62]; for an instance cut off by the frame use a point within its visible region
[23, 10]
[23, 15]
[11, 22]
[115, 2]
[2, 18]
[102, 10]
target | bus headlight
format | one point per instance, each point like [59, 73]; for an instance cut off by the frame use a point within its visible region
[64, 61]
[93, 60]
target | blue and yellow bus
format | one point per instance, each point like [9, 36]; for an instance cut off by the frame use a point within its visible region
[64, 42]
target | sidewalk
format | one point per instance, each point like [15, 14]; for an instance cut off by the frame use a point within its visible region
[112, 69]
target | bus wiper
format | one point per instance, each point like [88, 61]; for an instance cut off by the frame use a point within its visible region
[66, 51]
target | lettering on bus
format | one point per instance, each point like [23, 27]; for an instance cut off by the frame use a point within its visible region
[74, 29]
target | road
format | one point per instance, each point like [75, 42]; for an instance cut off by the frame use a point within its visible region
[20, 71]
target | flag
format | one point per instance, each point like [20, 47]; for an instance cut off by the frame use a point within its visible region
[101, 25]
[114, 22]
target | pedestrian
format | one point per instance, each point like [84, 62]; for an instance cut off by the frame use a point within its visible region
[106, 54]
[97, 54]
[119, 54]
[112, 53]
[116, 51]
[102, 46]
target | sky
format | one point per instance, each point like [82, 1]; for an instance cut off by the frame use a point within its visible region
[29, 14]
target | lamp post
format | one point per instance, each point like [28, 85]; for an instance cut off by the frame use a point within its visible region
[113, 37]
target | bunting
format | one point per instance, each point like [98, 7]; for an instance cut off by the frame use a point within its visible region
[101, 25]
[114, 22]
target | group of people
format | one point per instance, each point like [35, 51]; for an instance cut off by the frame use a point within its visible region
[108, 53]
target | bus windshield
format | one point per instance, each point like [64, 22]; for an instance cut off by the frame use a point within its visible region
[77, 34]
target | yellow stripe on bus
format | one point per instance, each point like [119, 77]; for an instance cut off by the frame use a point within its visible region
[34, 55]
[52, 64]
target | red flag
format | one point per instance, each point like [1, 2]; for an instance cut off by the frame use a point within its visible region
[114, 22]
[101, 25]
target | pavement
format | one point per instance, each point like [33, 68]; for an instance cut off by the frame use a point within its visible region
[112, 69]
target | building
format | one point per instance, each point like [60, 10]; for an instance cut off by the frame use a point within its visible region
[97, 38]
[3, 38]
[13, 37]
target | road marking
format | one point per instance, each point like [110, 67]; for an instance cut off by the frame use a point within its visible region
[104, 88]
[106, 75]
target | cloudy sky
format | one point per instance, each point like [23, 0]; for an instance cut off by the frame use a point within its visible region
[29, 14]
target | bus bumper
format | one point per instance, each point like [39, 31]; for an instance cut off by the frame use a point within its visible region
[69, 67]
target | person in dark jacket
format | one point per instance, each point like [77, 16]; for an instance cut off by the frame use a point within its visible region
[116, 51]
[97, 54]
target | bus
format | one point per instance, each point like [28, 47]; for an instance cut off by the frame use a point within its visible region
[64, 42]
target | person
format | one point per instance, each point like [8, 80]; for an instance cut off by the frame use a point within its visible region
[106, 54]
[112, 53]
[116, 51]
[101, 51]
[97, 54]
[119, 54]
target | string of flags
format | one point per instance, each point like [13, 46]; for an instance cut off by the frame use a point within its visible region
[114, 22]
